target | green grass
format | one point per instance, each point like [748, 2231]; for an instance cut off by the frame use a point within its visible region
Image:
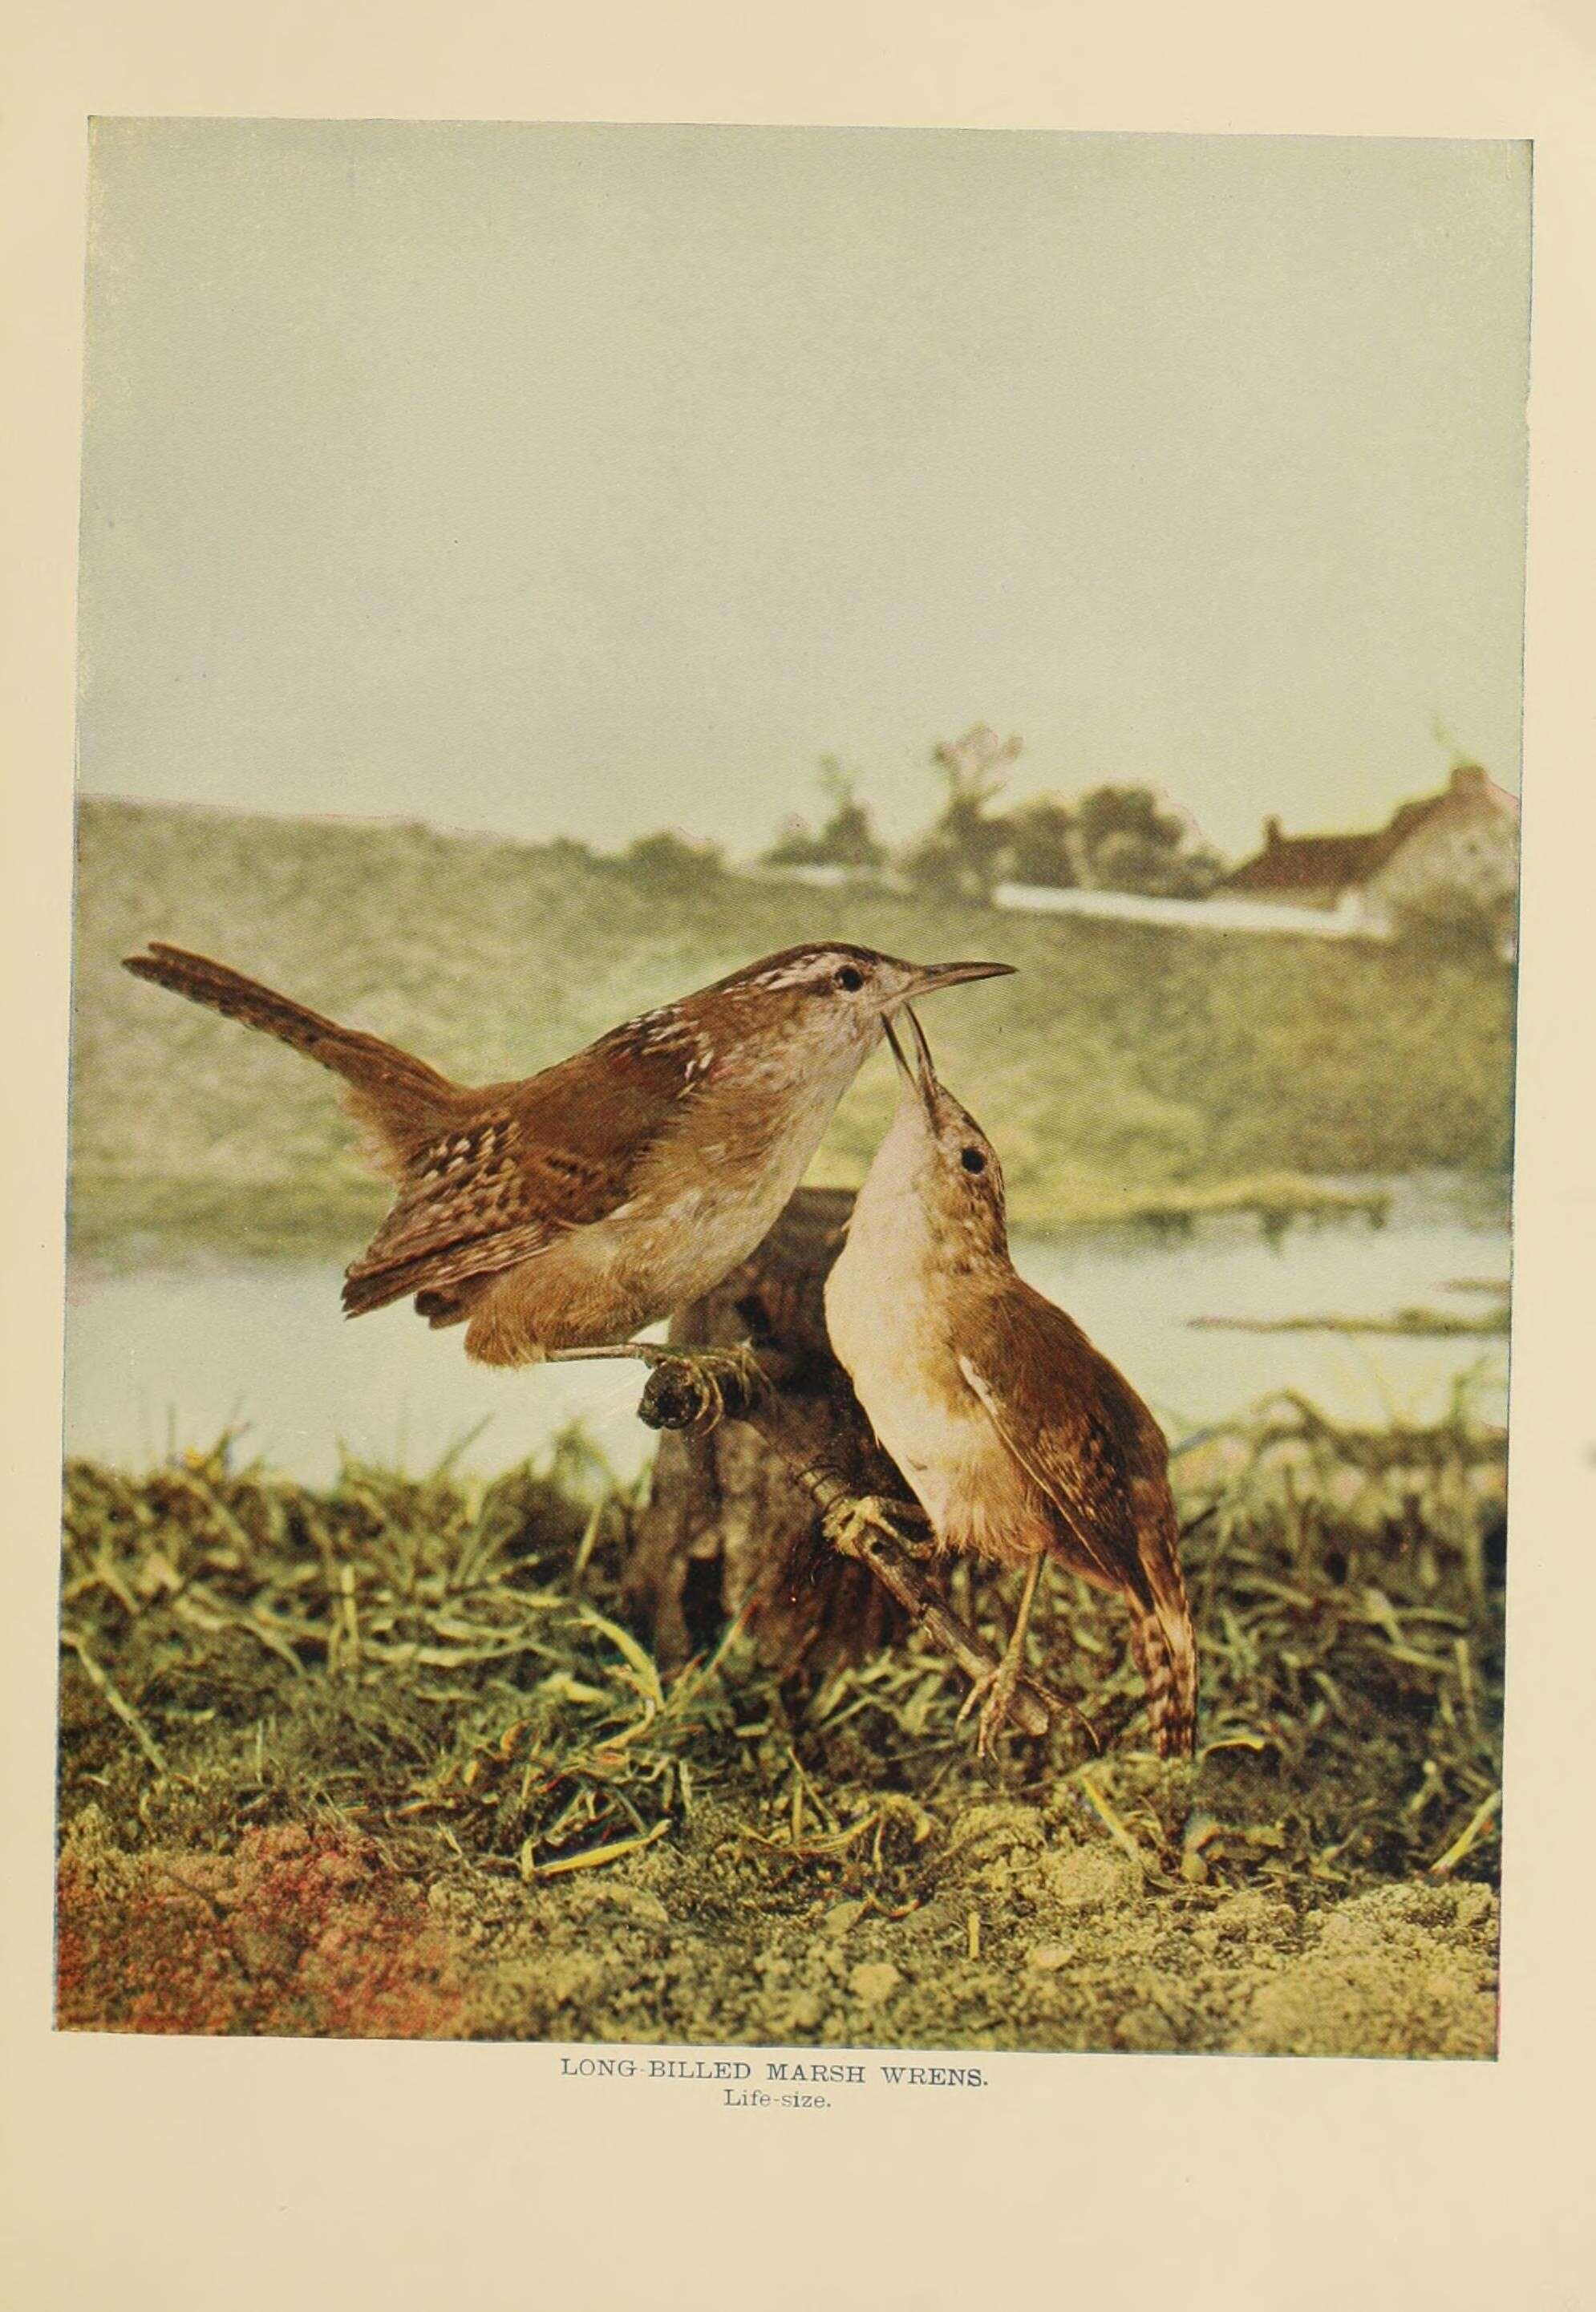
[1126, 1064]
[387, 1758]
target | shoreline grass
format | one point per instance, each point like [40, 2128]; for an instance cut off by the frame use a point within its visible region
[420, 1703]
[1404, 1324]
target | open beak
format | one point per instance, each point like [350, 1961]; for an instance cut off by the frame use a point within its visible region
[921, 1078]
[950, 975]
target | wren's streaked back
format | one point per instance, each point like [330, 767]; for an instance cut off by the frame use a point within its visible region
[1017, 1437]
[561, 1213]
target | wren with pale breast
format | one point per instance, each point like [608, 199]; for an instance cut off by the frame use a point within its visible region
[1018, 1438]
[556, 1215]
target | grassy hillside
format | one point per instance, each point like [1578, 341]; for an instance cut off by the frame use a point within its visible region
[1123, 1059]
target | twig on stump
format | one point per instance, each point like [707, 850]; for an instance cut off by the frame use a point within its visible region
[680, 1396]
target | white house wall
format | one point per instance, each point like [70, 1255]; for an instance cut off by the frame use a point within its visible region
[1477, 853]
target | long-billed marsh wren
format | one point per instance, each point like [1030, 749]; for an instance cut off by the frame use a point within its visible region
[1016, 1436]
[557, 1215]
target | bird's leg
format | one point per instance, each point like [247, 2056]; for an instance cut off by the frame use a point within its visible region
[997, 1687]
[848, 1523]
[688, 1389]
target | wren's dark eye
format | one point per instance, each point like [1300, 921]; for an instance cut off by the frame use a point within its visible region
[972, 1160]
[851, 977]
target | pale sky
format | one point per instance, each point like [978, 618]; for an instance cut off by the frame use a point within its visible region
[580, 480]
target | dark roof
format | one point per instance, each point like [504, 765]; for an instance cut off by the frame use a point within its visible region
[1312, 862]
[1333, 863]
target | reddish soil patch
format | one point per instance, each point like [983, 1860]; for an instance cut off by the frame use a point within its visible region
[300, 1930]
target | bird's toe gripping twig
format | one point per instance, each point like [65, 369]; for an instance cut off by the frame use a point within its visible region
[995, 1691]
[850, 1523]
[698, 1388]
[870, 1527]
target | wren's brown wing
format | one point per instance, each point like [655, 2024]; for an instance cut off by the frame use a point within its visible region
[1073, 1424]
[1083, 1436]
[525, 1163]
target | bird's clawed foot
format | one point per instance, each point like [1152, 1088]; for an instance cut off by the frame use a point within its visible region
[687, 1388]
[698, 1388]
[848, 1524]
[995, 1690]
[996, 1693]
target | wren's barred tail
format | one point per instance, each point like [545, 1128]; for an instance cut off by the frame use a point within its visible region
[1169, 1673]
[400, 1100]
[1162, 1638]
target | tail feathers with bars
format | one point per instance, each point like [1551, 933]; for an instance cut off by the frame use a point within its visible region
[400, 1100]
[1162, 1638]
[1169, 1671]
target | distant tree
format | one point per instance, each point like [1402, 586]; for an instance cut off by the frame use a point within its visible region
[1124, 842]
[1039, 844]
[564, 851]
[847, 837]
[794, 846]
[960, 856]
[673, 865]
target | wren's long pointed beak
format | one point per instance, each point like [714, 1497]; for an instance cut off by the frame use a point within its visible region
[950, 975]
[922, 1079]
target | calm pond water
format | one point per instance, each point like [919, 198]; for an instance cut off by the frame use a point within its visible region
[166, 1357]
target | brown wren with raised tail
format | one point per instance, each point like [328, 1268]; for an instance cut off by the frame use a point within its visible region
[556, 1216]
[1018, 1438]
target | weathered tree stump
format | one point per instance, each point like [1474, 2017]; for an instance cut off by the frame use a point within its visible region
[729, 1528]
[732, 1525]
